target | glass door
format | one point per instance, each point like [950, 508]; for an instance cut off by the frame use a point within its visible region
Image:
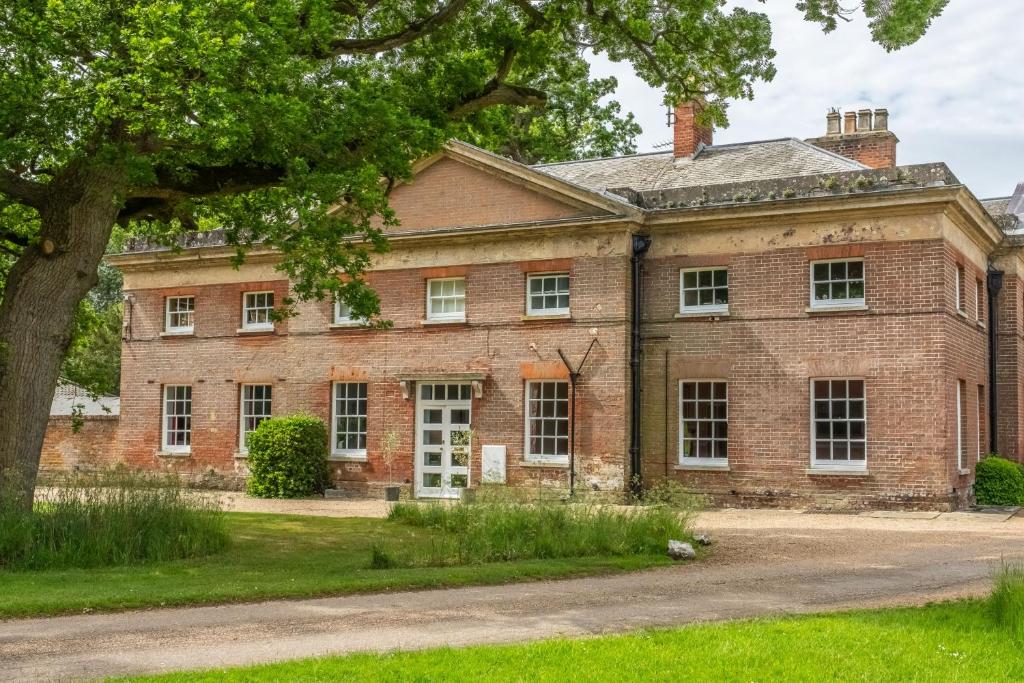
[443, 440]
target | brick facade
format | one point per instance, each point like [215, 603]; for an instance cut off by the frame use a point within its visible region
[93, 445]
[909, 342]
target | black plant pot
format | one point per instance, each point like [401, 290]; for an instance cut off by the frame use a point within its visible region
[392, 493]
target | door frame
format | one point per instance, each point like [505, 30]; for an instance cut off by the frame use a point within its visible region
[446, 405]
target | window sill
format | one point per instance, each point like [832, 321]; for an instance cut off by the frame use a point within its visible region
[238, 455]
[981, 325]
[836, 309]
[346, 457]
[962, 313]
[173, 454]
[690, 315]
[963, 471]
[695, 467]
[554, 464]
[449, 321]
[837, 471]
[173, 335]
[350, 325]
[254, 331]
[546, 316]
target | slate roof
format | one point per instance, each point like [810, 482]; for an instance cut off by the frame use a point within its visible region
[69, 395]
[999, 209]
[718, 164]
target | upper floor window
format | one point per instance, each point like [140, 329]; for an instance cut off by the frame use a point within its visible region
[256, 311]
[446, 299]
[547, 294]
[547, 420]
[837, 283]
[179, 314]
[960, 290]
[979, 301]
[255, 408]
[177, 423]
[704, 290]
[342, 313]
[703, 423]
[838, 414]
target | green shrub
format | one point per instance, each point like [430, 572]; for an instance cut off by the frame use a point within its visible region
[495, 529]
[288, 457]
[999, 482]
[108, 518]
[1006, 604]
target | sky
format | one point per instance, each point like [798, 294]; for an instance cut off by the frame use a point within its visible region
[957, 95]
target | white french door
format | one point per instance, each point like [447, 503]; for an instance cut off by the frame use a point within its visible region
[443, 445]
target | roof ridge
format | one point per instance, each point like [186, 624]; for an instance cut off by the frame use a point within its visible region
[584, 161]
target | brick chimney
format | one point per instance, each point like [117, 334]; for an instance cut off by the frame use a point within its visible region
[865, 137]
[687, 134]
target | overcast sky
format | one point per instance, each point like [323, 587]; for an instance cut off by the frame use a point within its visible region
[956, 96]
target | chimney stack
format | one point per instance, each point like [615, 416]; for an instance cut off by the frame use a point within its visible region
[687, 135]
[865, 137]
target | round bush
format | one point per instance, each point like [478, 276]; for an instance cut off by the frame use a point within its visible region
[999, 482]
[288, 457]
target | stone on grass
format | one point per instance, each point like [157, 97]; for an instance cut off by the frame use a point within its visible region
[680, 550]
[702, 539]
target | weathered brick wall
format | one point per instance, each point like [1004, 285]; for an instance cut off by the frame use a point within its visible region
[94, 445]
[1010, 369]
[876, 149]
[908, 347]
[302, 358]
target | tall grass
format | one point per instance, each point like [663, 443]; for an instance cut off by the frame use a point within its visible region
[498, 527]
[1006, 603]
[106, 519]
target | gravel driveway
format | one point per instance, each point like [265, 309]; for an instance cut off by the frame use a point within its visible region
[764, 563]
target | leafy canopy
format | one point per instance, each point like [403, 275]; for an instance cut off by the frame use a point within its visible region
[286, 122]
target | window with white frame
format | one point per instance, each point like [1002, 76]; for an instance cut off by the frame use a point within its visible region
[703, 423]
[342, 313]
[960, 415]
[348, 422]
[704, 290]
[837, 283]
[179, 316]
[547, 420]
[838, 418]
[177, 427]
[255, 408]
[547, 294]
[979, 301]
[256, 311]
[446, 299]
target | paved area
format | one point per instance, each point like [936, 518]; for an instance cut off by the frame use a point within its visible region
[765, 563]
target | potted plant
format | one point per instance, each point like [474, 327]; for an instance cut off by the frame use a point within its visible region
[388, 450]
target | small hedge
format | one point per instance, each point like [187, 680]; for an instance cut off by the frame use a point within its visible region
[288, 458]
[999, 482]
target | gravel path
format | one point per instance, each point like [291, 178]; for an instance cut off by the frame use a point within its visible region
[764, 563]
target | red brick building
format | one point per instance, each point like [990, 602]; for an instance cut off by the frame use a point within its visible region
[775, 322]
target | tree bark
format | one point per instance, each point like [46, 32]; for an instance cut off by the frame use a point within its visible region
[40, 300]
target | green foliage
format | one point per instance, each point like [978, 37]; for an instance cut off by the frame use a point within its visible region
[288, 457]
[498, 528]
[998, 481]
[109, 518]
[1006, 604]
[893, 23]
[94, 357]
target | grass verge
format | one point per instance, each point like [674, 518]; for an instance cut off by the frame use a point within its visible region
[277, 556]
[941, 643]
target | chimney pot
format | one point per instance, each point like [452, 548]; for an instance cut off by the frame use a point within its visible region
[688, 135]
[832, 123]
[881, 119]
[864, 120]
[849, 123]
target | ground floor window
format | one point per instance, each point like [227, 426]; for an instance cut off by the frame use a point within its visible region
[838, 414]
[256, 400]
[547, 420]
[177, 427]
[348, 420]
[703, 423]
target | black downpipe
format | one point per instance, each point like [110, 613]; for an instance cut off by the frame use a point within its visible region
[995, 283]
[641, 243]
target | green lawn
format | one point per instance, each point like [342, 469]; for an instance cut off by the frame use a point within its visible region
[945, 642]
[274, 556]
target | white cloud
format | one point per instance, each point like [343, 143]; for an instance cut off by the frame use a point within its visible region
[955, 96]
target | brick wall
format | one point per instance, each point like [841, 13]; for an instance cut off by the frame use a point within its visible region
[876, 149]
[302, 359]
[910, 346]
[92, 446]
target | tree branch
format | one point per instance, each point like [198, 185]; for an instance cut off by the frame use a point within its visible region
[413, 31]
[495, 93]
[22, 190]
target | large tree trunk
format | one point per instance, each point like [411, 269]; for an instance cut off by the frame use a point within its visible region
[40, 300]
